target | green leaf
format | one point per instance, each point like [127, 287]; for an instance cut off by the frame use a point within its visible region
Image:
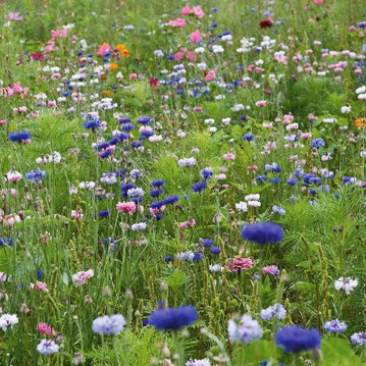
[338, 352]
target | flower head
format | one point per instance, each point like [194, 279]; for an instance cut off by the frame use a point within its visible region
[246, 332]
[173, 318]
[294, 338]
[262, 233]
[110, 325]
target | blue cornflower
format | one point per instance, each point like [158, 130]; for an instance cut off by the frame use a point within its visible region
[103, 146]
[197, 256]
[136, 144]
[157, 204]
[109, 244]
[207, 243]
[278, 209]
[144, 120]
[168, 259]
[158, 183]
[248, 137]
[118, 138]
[104, 213]
[127, 127]
[124, 120]
[156, 192]
[173, 318]
[275, 180]
[199, 187]
[19, 136]
[295, 339]
[291, 182]
[125, 188]
[171, 200]
[39, 274]
[262, 233]
[206, 173]
[261, 178]
[36, 175]
[105, 154]
[91, 124]
[317, 143]
[4, 241]
[215, 250]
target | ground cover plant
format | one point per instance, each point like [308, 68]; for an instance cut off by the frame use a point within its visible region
[182, 183]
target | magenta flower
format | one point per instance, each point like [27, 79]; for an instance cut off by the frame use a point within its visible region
[234, 264]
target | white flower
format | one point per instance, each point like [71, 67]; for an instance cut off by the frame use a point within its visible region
[254, 203]
[87, 185]
[204, 362]
[361, 90]
[139, 226]
[345, 283]
[187, 162]
[110, 325]
[362, 96]
[47, 347]
[346, 109]
[226, 121]
[216, 268]
[241, 206]
[8, 320]
[246, 332]
[252, 197]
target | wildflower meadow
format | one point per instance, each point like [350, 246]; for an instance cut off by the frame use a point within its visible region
[183, 182]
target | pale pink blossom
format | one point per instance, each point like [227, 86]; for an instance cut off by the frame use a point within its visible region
[81, 277]
[128, 207]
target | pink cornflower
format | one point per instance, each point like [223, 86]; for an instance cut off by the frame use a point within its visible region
[198, 12]
[261, 103]
[128, 207]
[234, 264]
[187, 224]
[39, 286]
[60, 33]
[229, 156]
[44, 328]
[211, 75]
[273, 270]
[186, 10]
[80, 278]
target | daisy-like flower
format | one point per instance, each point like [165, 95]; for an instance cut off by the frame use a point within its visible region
[346, 283]
[8, 320]
[241, 206]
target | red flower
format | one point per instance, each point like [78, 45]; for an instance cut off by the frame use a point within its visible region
[267, 23]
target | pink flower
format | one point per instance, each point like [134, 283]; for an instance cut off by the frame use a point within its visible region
[181, 23]
[273, 270]
[81, 277]
[196, 36]
[352, 28]
[39, 286]
[191, 56]
[198, 12]
[15, 16]
[229, 156]
[318, 1]
[179, 56]
[44, 328]
[2, 122]
[234, 264]
[211, 75]
[133, 76]
[129, 207]
[197, 109]
[2, 277]
[186, 10]
[187, 224]
[103, 49]
[261, 103]
[60, 33]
